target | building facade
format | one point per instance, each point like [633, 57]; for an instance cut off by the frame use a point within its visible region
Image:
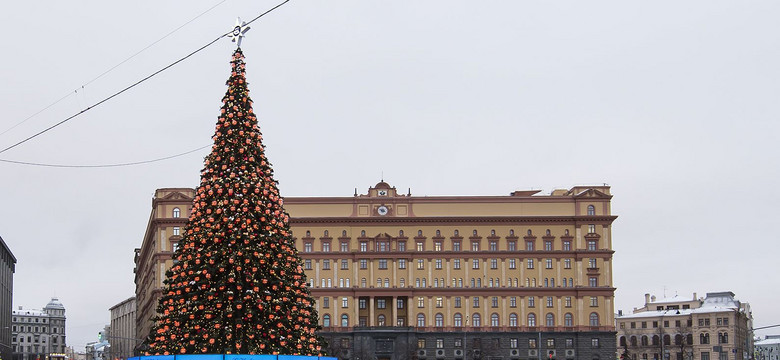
[717, 327]
[396, 276]
[122, 335]
[7, 269]
[768, 348]
[170, 210]
[39, 334]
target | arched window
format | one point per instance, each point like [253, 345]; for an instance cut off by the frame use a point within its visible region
[667, 340]
[325, 233]
[529, 232]
[400, 233]
[476, 320]
[531, 320]
[419, 232]
[492, 232]
[566, 232]
[474, 233]
[326, 320]
[511, 232]
[549, 320]
[704, 338]
[564, 282]
[344, 320]
[623, 341]
[723, 338]
[308, 233]
[439, 319]
[378, 282]
[387, 282]
[458, 320]
[363, 282]
[644, 340]
[344, 233]
[689, 339]
[678, 339]
[457, 233]
[362, 233]
[633, 341]
[568, 320]
[420, 320]
[494, 319]
[594, 319]
[176, 212]
[380, 320]
[591, 210]
[656, 340]
[547, 232]
[438, 232]
[512, 319]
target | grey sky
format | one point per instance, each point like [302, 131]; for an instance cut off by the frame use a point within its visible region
[674, 104]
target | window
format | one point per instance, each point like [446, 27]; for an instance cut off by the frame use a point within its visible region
[513, 343]
[549, 301]
[326, 320]
[176, 231]
[567, 245]
[307, 247]
[399, 303]
[475, 301]
[401, 246]
[420, 246]
[438, 264]
[420, 302]
[511, 246]
[513, 319]
[494, 320]
[475, 264]
[591, 228]
[325, 301]
[420, 264]
[548, 245]
[591, 210]
[382, 246]
[402, 263]
[362, 303]
[594, 319]
[420, 320]
[306, 265]
[494, 263]
[594, 301]
[456, 264]
[493, 245]
[532, 343]
[705, 355]
[421, 343]
[380, 320]
[344, 303]
[476, 320]
[363, 246]
[382, 264]
[438, 320]
[548, 263]
[529, 246]
[456, 246]
[531, 320]
[176, 212]
[344, 264]
[344, 320]
[363, 264]
[592, 263]
[549, 320]
[593, 281]
[530, 264]
[593, 245]
[457, 301]
[440, 343]
[704, 338]
[439, 302]
[568, 320]
[494, 301]
[512, 301]
[550, 343]
[326, 247]
[567, 263]
[594, 342]
[512, 264]
[531, 301]
[474, 246]
[326, 264]
[381, 304]
[344, 246]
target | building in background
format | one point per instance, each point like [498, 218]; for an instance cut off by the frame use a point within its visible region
[122, 335]
[397, 276]
[7, 269]
[170, 210]
[717, 327]
[39, 334]
[768, 348]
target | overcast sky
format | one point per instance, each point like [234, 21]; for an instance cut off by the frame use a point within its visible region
[674, 104]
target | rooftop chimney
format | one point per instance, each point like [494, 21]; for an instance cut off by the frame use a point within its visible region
[647, 298]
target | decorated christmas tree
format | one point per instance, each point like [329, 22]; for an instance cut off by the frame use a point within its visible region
[237, 285]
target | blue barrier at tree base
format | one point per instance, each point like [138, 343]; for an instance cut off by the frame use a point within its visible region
[231, 357]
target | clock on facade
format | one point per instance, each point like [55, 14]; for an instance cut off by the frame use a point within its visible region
[382, 192]
[382, 210]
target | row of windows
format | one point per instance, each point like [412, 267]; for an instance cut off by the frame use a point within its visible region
[476, 320]
[705, 355]
[457, 282]
[679, 339]
[677, 323]
[457, 301]
[496, 343]
[42, 329]
[29, 320]
[33, 339]
[385, 246]
[438, 264]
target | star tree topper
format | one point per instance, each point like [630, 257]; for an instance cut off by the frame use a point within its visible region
[239, 31]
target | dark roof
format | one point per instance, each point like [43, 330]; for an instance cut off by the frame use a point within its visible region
[5, 246]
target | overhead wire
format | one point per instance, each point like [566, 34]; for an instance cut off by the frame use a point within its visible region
[122, 91]
[110, 69]
[104, 165]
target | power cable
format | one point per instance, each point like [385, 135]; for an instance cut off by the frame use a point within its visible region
[103, 165]
[136, 83]
[110, 69]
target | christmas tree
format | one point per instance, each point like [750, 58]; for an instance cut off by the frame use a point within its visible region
[237, 285]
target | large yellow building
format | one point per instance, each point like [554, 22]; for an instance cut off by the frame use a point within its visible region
[522, 276]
